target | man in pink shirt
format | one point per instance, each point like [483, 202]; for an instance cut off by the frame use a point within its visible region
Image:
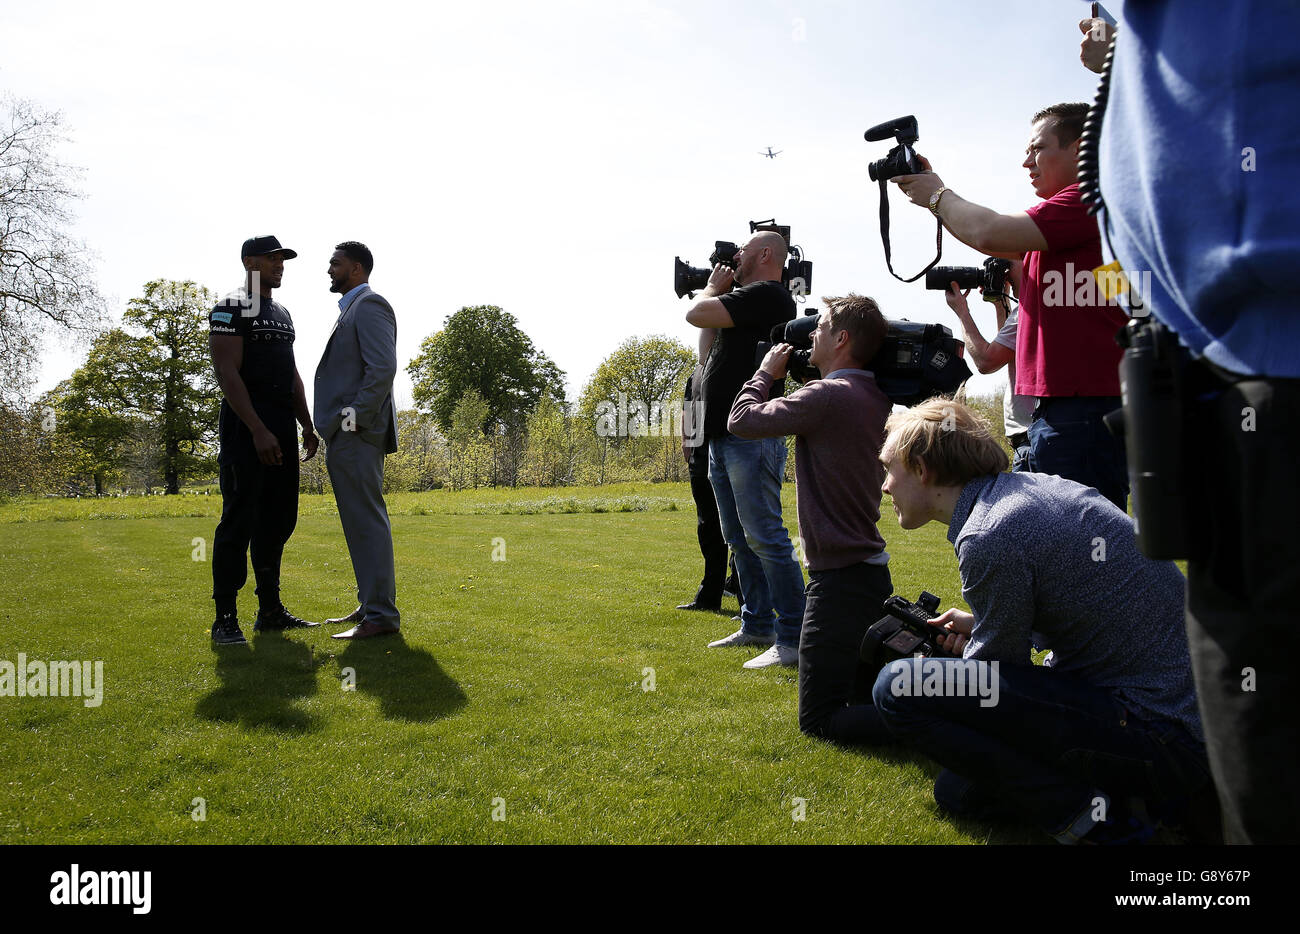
[1066, 353]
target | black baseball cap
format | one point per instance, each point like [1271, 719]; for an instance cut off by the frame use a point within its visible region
[260, 246]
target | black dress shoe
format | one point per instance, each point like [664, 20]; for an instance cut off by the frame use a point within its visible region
[366, 630]
[280, 619]
[706, 607]
[355, 616]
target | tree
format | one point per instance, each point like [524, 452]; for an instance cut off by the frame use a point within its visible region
[471, 457]
[549, 459]
[91, 414]
[631, 410]
[154, 393]
[32, 459]
[641, 383]
[481, 348]
[46, 276]
[178, 392]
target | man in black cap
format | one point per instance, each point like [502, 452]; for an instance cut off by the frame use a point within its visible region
[251, 337]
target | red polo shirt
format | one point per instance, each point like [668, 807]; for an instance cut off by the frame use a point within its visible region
[1065, 342]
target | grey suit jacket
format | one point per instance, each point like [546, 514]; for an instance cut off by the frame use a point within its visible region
[356, 373]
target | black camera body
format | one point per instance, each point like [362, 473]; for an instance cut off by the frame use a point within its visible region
[901, 160]
[796, 276]
[991, 277]
[904, 632]
[687, 279]
[915, 361]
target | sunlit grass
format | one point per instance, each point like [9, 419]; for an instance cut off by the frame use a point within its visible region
[519, 689]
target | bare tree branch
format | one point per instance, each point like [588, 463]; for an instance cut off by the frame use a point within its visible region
[47, 277]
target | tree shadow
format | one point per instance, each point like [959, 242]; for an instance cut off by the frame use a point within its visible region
[260, 683]
[409, 683]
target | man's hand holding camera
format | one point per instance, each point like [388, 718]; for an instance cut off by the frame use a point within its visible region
[777, 360]
[919, 189]
[958, 625]
[720, 281]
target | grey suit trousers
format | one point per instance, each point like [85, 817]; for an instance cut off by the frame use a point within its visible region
[356, 469]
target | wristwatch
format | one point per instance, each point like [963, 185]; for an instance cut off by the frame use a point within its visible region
[934, 201]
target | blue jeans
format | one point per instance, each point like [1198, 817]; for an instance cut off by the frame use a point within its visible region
[1068, 438]
[1048, 746]
[746, 478]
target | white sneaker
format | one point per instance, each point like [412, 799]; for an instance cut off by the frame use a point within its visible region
[776, 655]
[740, 637]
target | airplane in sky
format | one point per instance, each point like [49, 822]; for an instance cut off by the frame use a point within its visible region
[770, 154]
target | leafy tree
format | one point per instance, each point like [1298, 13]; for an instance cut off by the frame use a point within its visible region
[481, 348]
[156, 389]
[178, 393]
[46, 277]
[549, 459]
[471, 456]
[94, 407]
[642, 382]
[31, 457]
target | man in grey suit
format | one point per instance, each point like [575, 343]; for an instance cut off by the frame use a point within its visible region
[355, 415]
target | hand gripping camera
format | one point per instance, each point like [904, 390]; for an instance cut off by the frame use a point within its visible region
[904, 633]
[915, 361]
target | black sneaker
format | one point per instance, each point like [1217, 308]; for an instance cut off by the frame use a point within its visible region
[280, 618]
[226, 631]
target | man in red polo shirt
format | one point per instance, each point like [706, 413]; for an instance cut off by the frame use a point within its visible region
[1066, 354]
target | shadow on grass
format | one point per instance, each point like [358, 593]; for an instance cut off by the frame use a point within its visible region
[260, 683]
[999, 832]
[409, 683]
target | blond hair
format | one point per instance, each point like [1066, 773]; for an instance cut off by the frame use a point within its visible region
[946, 437]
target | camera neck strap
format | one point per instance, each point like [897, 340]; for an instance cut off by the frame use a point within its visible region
[884, 237]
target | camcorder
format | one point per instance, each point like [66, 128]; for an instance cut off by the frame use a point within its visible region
[796, 276]
[904, 632]
[991, 278]
[915, 360]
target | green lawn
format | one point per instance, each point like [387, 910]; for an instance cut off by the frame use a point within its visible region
[518, 687]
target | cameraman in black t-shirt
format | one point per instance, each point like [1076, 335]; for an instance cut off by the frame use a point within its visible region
[251, 338]
[747, 475]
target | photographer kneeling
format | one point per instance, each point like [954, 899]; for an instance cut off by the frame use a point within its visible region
[1044, 561]
[839, 421]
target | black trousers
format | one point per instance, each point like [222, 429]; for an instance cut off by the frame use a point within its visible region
[1243, 628]
[708, 530]
[834, 686]
[259, 509]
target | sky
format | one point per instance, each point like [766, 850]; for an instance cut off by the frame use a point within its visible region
[551, 158]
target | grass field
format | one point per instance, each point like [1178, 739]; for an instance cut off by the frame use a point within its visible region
[518, 691]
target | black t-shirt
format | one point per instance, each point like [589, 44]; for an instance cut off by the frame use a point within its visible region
[754, 308]
[268, 367]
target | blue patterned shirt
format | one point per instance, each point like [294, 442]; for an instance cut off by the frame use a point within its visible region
[1044, 555]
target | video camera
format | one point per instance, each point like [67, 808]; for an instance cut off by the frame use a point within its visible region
[991, 277]
[915, 360]
[904, 633]
[796, 276]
